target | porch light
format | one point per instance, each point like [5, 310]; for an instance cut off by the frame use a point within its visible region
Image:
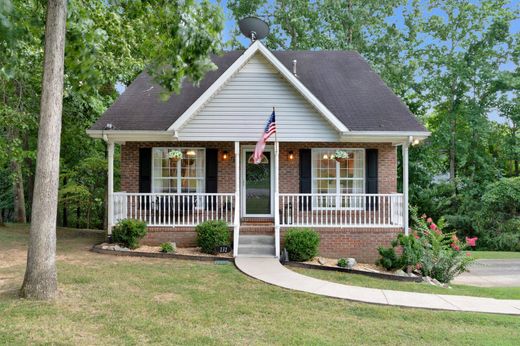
[225, 155]
[291, 155]
[191, 153]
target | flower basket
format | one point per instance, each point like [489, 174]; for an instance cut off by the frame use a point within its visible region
[175, 155]
[341, 156]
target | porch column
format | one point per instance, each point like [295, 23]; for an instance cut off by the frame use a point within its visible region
[276, 199]
[405, 187]
[236, 226]
[110, 145]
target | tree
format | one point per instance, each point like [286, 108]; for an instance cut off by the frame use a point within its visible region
[40, 280]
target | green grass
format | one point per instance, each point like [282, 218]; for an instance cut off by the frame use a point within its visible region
[495, 254]
[121, 300]
[366, 281]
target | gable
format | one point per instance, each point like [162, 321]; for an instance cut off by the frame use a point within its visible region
[240, 109]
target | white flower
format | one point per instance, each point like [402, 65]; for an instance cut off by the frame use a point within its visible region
[175, 154]
[341, 154]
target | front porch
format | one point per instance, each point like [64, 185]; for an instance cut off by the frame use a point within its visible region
[278, 203]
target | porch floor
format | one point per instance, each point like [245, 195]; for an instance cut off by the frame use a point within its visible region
[271, 271]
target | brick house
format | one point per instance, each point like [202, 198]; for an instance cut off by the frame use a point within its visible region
[328, 104]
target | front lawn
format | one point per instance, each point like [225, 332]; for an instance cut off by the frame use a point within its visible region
[365, 281]
[123, 300]
[495, 254]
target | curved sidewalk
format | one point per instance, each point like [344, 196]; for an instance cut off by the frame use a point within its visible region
[271, 271]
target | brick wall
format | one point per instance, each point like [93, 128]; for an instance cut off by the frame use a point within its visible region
[360, 243]
[289, 169]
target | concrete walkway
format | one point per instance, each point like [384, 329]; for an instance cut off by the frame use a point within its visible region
[270, 270]
[492, 273]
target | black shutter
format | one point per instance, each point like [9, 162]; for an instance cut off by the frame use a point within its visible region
[371, 178]
[305, 178]
[145, 170]
[211, 176]
[211, 170]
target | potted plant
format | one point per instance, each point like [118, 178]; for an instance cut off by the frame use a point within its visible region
[175, 155]
[340, 155]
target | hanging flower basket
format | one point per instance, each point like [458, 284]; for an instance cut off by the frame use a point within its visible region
[341, 155]
[175, 155]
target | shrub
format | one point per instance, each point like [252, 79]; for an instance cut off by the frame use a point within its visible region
[211, 234]
[498, 222]
[342, 263]
[167, 247]
[432, 252]
[302, 244]
[128, 232]
[389, 258]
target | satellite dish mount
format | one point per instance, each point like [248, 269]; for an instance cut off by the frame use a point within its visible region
[253, 28]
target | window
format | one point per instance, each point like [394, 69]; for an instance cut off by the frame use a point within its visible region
[185, 175]
[332, 177]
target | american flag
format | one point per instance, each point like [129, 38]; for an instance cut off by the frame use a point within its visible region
[270, 128]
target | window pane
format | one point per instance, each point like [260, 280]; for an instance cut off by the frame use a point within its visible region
[192, 167]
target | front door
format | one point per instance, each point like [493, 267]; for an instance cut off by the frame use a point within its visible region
[257, 183]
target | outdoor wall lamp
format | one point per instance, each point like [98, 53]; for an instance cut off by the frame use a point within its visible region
[291, 155]
[225, 155]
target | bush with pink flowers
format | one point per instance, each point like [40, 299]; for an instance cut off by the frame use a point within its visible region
[428, 250]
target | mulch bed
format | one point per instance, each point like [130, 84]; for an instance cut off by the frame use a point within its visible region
[183, 253]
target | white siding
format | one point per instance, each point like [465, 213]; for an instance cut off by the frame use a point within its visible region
[240, 109]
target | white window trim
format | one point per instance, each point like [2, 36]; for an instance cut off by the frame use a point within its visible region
[179, 178]
[314, 178]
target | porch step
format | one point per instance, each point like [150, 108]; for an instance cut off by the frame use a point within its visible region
[255, 229]
[256, 239]
[256, 245]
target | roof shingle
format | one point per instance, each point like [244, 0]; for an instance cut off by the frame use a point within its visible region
[343, 81]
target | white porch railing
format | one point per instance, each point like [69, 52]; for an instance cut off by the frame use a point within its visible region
[172, 209]
[341, 210]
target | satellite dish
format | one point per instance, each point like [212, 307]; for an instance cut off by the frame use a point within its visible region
[253, 28]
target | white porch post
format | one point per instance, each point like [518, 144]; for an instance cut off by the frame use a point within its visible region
[110, 173]
[276, 199]
[405, 186]
[236, 228]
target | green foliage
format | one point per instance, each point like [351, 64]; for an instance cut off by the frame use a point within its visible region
[167, 248]
[211, 234]
[129, 232]
[427, 249]
[342, 263]
[389, 258]
[302, 244]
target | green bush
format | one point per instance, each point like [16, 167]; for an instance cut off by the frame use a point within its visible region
[342, 263]
[167, 247]
[128, 232]
[302, 244]
[211, 234]
[498, 223]
[389, 258]
[428, 250]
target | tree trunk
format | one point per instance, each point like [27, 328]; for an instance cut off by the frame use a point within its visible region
[78, 216]
[29, 163]
[18, 189]
[40, 280]
[19, 196]
[65, 220]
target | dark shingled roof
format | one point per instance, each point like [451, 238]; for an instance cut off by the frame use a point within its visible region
[342, 81]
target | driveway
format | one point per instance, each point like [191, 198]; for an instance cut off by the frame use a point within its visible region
[492, 273]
